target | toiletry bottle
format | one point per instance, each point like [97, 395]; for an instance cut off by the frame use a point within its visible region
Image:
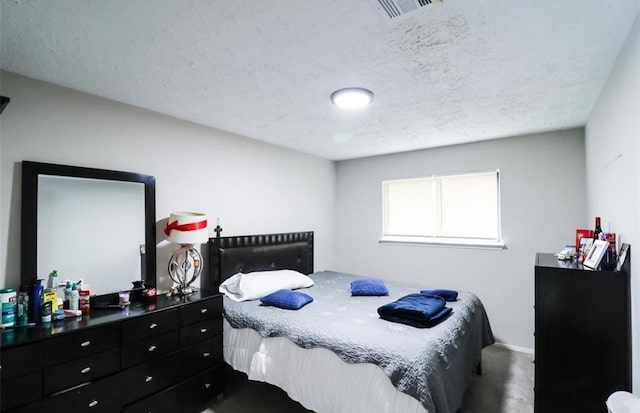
[84, 300]
[52, 281]
[67, 296]
[38, 291]
[50, 296]
[73, 299]
[8, 298]
[46, 311]
[23, 306]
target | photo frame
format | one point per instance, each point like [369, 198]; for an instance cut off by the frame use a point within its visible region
[582, 235]
[585, 246]
[622, 257]
[596, 253]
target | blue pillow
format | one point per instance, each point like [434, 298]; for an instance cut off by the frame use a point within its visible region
[449, 295]
[287, 299]
[368, 287]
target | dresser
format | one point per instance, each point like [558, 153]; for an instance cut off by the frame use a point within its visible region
[159, 356]
[582, 335]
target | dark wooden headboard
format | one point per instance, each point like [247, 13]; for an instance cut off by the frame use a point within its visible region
[247, 253]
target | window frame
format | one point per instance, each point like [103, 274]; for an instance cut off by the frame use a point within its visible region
[459, 242]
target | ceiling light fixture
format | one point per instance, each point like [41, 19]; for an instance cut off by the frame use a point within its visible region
[352, 97]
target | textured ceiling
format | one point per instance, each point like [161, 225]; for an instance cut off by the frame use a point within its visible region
[456, 72]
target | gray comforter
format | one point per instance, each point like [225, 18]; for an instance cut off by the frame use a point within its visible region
[432, 365]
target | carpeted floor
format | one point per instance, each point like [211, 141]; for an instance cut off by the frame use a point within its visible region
[506, 386]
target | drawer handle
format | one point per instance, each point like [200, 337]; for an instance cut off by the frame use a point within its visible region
[148, 379]
[153, 325]
[86, 343]
[152, 347]
[203, 310]
[203, 330]
[85, 370]
[205, 355]
[93, 403]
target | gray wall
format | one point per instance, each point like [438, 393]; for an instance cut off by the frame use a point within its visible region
[543, 202]
[252, 186]
[613, 166]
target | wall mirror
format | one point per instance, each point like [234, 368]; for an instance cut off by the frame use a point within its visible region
[91, 224]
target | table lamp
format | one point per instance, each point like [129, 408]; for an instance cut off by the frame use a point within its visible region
[185, 265]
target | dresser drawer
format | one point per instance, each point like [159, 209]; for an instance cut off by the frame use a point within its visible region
[200, 331]
[63, 376]
[21, 360]
[152, 376]
[147, 326]
[100, 396]
[203, 355]
[203, 387]
[164, 402]
[20, 390]
[201, 310]
[77, 345]
[192, 395]
[149, 348]
[31, 408]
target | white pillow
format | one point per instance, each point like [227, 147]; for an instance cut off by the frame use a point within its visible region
[255, 285]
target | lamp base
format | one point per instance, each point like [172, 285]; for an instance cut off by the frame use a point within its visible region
[179, 290]
[184, 267]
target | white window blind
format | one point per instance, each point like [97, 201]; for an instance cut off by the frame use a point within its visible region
[455, 207]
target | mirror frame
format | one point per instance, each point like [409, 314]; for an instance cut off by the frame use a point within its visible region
[29, 220]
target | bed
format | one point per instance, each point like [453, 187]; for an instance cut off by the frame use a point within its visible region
[339, 356]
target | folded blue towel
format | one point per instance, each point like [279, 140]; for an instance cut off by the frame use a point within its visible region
[368, 287]
[449, 295]
[416, 310]
[287, 299]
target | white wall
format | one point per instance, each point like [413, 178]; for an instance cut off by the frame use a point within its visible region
[252, 186]
[543, 202]
[612, 146]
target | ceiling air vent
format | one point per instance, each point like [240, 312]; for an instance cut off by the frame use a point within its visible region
[397, 8]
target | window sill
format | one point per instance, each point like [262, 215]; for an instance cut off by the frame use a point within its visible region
[444, 242]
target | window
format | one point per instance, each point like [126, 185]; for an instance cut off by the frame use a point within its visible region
[454, 209]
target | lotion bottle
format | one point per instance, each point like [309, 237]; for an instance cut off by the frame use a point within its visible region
[51, 282]
[74, 297]
[67, 296]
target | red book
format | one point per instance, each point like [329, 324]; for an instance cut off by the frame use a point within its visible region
[582, 233]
